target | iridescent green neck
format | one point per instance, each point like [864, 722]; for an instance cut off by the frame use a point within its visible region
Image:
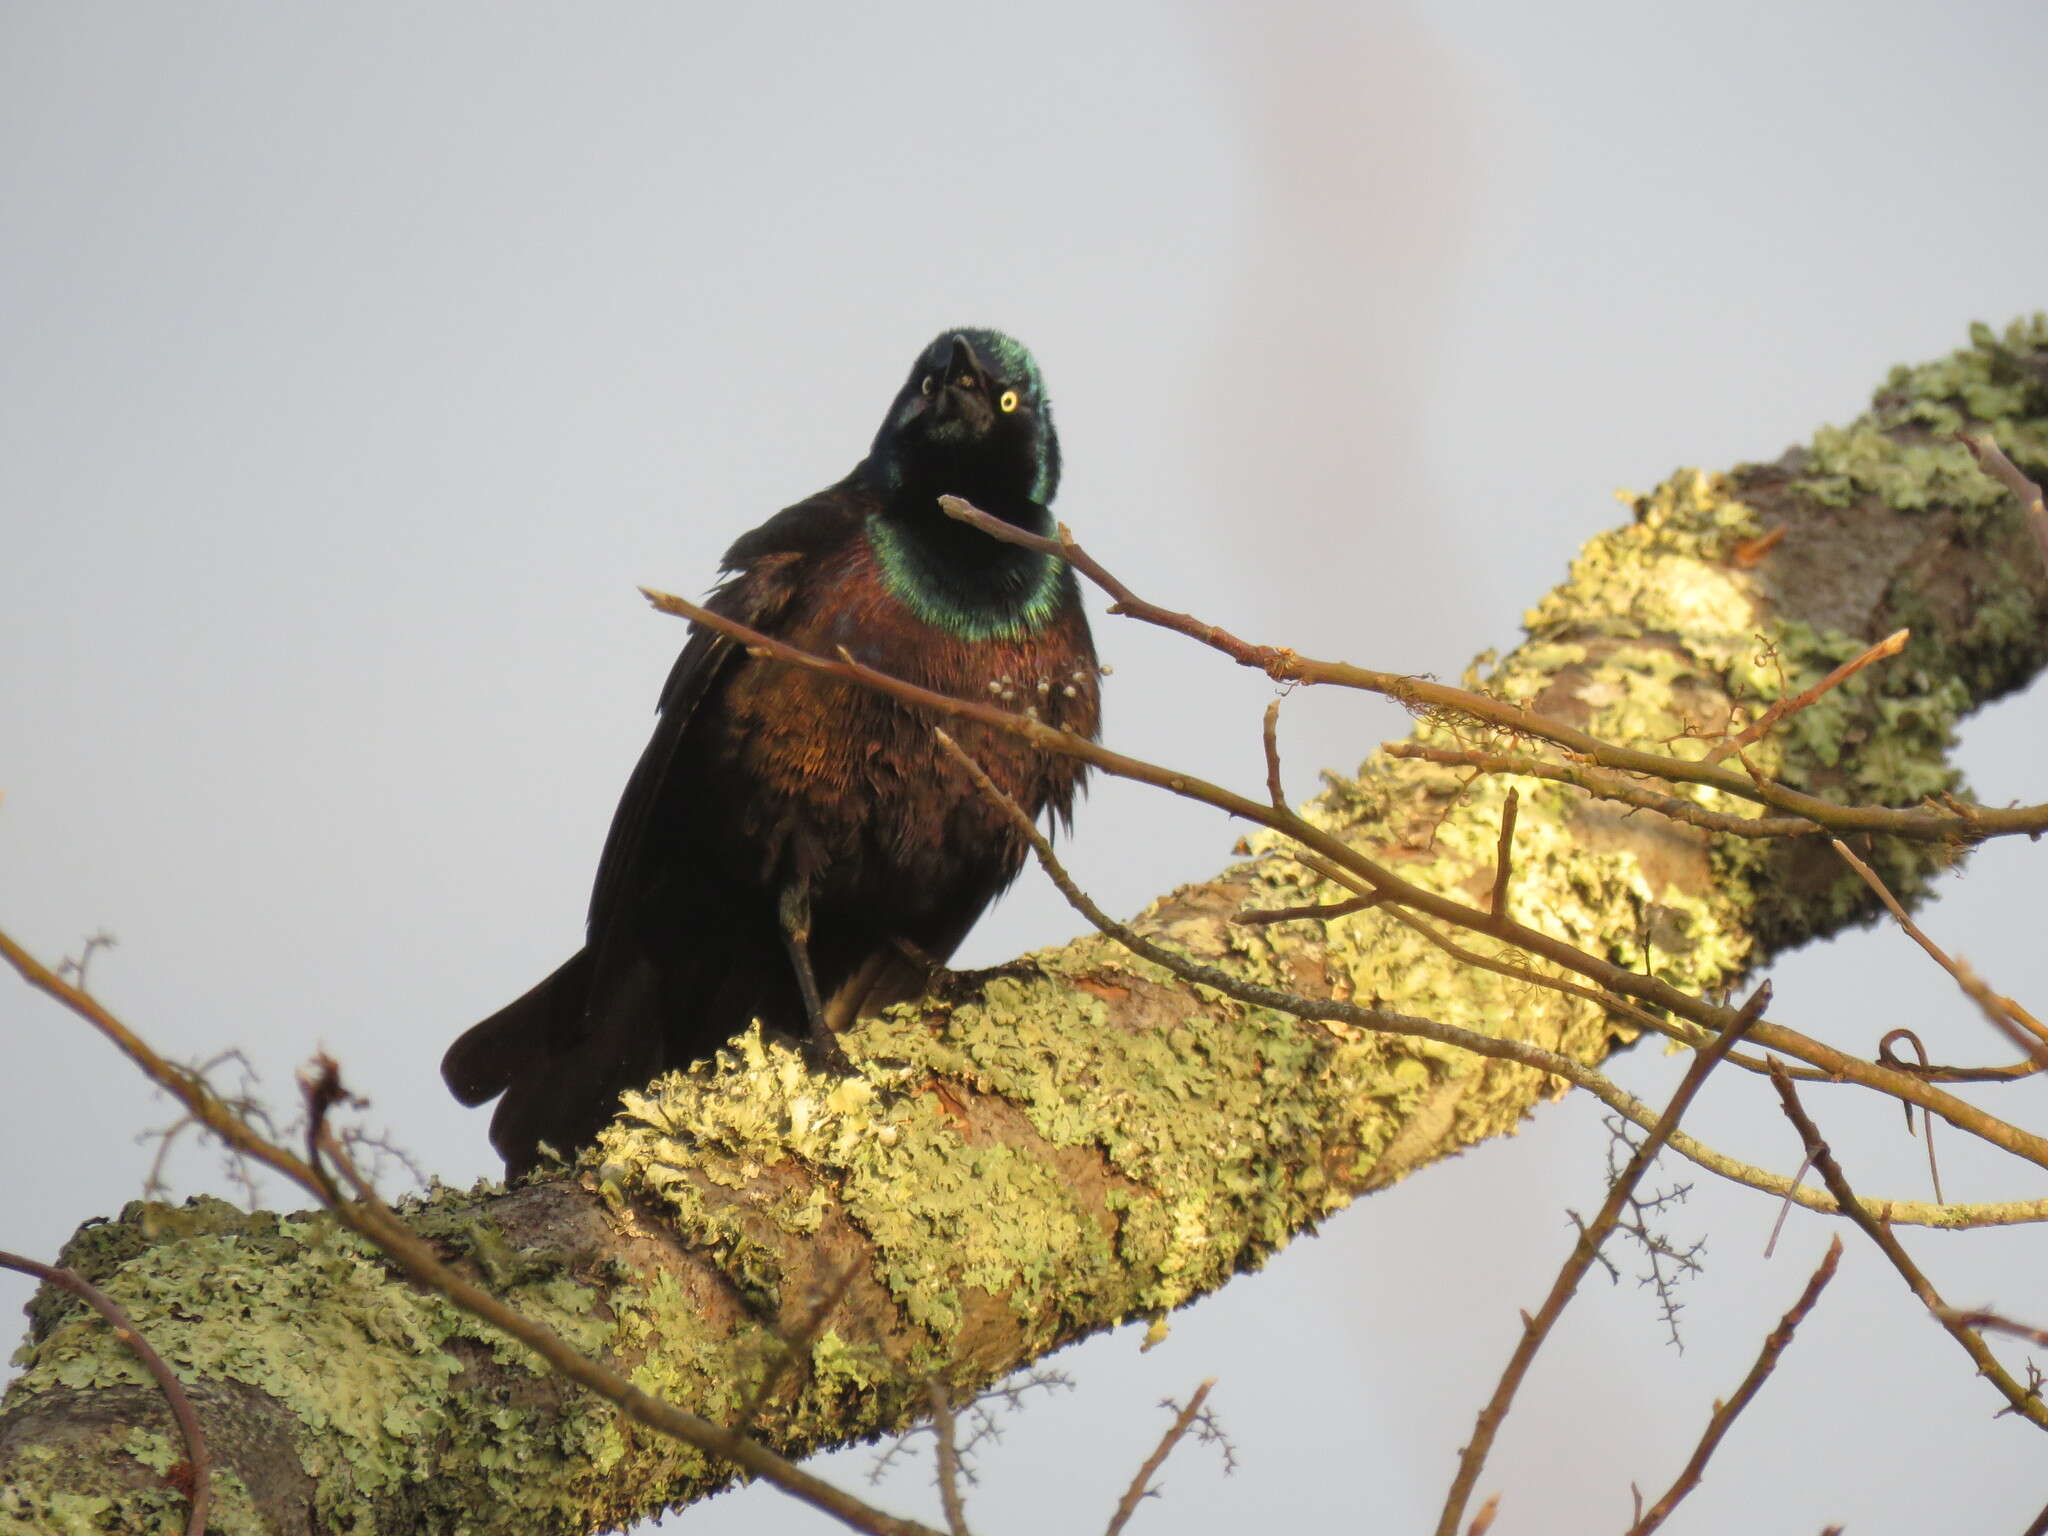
[1011, 595]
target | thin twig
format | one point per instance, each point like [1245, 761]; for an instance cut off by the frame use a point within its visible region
[1885, 1055]
[2007, 1016]
[2018, 1398]
[1337, 1011]
[1649, 988]
[1269, 732]
[1784, 1210]
[1725, 1413]
[197, 1486]
[1254, 917]
[949, 1457]
[364, 1213]
[1535, 1330]
[1504, 854]
[1283, 665]
[2002, 469]
[1142, 1483]
[1889, 646]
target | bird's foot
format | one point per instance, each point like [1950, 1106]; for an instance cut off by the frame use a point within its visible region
[822, 1053]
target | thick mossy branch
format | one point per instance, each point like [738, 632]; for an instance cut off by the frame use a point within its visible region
[1079, 1139]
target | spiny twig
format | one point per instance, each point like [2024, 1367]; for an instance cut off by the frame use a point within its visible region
[1184, 1420]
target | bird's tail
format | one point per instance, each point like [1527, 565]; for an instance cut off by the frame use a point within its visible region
[517, 1041]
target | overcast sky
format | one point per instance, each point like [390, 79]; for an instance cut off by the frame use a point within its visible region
[356, 362]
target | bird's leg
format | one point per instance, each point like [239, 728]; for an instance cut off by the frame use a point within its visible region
[794, 909]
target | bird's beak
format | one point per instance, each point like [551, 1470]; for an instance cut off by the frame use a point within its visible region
[964, 361]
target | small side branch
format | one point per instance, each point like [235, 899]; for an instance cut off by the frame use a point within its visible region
[198, 1485]
[1991, 458]
[1966, 823]
[1504, 855]
[1602, 785]
[1141, 1485]
[1536, 1329]
[1997, 1324]
[1890, 645]
[1726, 1413]
[2007, 1016]
[2019, 1399]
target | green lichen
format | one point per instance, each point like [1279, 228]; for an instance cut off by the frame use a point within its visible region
[1086, 1139]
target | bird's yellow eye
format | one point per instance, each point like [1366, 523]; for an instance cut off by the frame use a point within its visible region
[926, 386]
[1009, 400]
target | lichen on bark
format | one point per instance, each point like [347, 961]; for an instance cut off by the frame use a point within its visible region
[1079, 1139]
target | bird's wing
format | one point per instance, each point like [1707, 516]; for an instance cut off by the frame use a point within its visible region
[767, 566]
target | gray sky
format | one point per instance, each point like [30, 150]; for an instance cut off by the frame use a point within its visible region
[356, 362]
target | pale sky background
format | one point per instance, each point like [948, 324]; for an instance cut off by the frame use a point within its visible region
[356, 362]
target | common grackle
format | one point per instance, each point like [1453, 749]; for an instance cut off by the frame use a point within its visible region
[788, 833]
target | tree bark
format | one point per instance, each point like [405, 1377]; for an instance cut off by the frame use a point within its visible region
[1078, 1139]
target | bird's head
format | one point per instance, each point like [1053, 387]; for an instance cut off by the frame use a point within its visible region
[972, 420]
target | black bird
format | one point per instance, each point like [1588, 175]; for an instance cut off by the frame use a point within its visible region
[789, 833]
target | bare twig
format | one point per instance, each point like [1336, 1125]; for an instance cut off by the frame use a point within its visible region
[75, 970]
[1504, 856]
[1253, 917]
[948, 1457]
[1184, 1419]
[2019, 1400]
[350, 1196]
[1996, 1323]
[1269, 732]
[1334, 1010]
[2007, 1016]
[197, 1482]
[2002, 469]
[1886, 1055]
[1725, 1413]
[1965, 823]
[1603, 785]
[200, 1101]
[1890, 645]
[1669, 1263]
[1784, 1210]
[1535, 1330]
[1651, 989]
